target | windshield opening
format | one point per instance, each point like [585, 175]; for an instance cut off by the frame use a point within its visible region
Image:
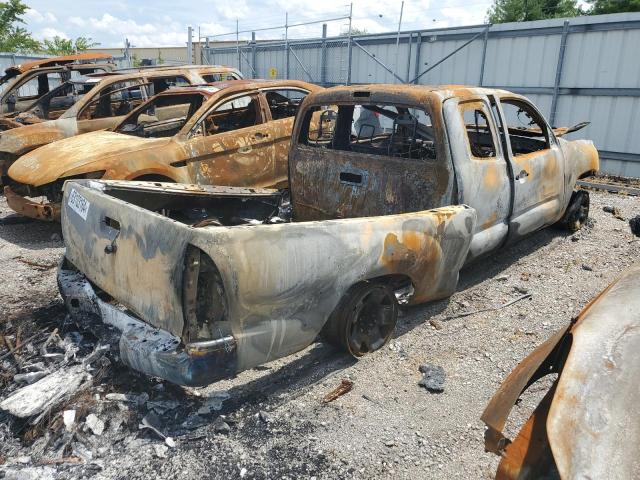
[59, 100]
[162, 116]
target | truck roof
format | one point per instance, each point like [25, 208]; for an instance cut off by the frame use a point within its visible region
[395, 92]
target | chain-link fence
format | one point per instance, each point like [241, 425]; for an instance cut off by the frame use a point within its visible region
[288, 52]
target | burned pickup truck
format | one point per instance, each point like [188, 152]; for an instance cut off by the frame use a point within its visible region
[391, 191]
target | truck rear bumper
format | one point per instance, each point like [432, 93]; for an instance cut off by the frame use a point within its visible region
[142, 347]
[29, 208]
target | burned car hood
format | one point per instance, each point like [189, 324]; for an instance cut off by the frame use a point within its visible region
[26, 138]
[77, 155]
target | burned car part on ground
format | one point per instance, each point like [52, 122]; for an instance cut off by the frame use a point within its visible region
[586, 425]
[226, 133]
[385, 208]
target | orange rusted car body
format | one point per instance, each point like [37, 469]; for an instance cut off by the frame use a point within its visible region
[43, 72]
[586, 426]
[43, 125]
[254, 155]
[389, 186]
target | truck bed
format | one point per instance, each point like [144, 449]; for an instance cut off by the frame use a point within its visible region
[278, 280]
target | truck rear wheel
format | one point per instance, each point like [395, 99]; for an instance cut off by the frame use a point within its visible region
[577, 212]
[364, 320]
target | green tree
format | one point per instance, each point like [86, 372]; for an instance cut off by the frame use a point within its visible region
[613, 6]
[503, 11]
[14, 38]
[63, 46]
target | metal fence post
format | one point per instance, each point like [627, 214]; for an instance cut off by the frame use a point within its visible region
[238, 45]
[286, 45]
[349, 46]
[484, 54]
[189, 45]
[409, 44]
[253, 55]
[556, 85]
[418, 48]
[398, 36]
[323, 57]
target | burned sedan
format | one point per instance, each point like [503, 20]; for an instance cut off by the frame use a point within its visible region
[94, 102]
[23, 84]
[392, 190]
[227, 133]
[586, 426]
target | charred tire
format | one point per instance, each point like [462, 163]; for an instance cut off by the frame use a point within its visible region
[364, 320]
[577, 212]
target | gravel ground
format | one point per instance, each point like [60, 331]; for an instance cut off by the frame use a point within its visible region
[387, 426]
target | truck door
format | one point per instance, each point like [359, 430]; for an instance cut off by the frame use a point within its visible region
[481, 170]
[233, 145]
[537, 166]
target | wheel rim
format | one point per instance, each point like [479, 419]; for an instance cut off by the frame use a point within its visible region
[372, 321]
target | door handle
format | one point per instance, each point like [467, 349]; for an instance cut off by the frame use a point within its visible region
[260, 135]
[522, 175]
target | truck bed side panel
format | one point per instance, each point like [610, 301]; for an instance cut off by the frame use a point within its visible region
[281, 281]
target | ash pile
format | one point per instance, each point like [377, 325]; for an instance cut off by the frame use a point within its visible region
[67, 404]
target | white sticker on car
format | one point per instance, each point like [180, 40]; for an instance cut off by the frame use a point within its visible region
[78, 203]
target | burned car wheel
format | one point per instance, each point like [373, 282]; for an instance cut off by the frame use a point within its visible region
[364, 319]
[577, 211]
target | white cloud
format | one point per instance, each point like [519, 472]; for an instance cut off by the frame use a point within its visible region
[77, 21]
[34, 16]
[109, 23]
[50, 33]
[164, 22]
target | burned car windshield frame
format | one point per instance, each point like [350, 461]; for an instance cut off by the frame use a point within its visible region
[131, 126]
[54, 93]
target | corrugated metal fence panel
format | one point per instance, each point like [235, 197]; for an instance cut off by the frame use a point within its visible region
[461, 68]
[603, 59]
[602, 52]
[521, 61]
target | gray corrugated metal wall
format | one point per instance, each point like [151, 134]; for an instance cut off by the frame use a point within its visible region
[599, 81]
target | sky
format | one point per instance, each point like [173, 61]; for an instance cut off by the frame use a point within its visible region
[150, 23]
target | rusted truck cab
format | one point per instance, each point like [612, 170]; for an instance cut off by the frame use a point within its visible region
[392, 190]
[390, 149]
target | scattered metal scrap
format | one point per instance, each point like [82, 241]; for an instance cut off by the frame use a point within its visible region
[488, 309]
[345, 386]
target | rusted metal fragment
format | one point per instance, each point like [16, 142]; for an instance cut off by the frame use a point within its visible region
[585, 426]
[30, 208]
[345, 387]
[529, 456]
[62, 60]
[594, 420]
